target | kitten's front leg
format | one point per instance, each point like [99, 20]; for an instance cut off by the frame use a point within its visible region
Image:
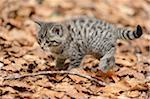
[75, 62]
[60, 62]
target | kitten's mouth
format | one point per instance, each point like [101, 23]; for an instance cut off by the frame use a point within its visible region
[46, 49]
[55, 43]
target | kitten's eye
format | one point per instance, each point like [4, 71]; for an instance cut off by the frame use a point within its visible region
[57, 31]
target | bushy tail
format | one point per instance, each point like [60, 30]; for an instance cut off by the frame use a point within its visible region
[126, 34]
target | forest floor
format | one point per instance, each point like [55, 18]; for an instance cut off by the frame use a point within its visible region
[20, 54]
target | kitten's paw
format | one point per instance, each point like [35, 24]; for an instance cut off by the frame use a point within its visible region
[104, 68]
[106, 64]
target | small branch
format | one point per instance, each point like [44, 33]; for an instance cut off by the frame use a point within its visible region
[55, 72]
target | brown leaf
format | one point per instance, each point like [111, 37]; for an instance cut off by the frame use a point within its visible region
[78, 79]
[115, 88]
[133, 94]
[127, 71]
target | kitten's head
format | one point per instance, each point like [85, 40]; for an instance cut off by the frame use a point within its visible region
[51, 35]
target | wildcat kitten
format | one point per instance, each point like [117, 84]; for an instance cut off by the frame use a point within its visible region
[73, 39]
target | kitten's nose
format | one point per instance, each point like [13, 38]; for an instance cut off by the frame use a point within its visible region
[42, 47]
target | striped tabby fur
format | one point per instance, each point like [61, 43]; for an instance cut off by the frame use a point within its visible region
[83, 35]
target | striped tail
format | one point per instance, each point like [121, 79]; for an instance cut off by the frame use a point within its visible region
[127, 34]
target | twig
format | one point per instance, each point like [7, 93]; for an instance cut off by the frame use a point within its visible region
[55, 72]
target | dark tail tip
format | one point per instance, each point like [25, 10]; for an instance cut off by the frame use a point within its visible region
[138, 31]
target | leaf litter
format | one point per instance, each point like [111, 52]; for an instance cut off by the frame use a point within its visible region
[20, 54]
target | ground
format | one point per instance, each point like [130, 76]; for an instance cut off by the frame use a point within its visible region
[20, 54]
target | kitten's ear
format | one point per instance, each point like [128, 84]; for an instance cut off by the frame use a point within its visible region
[40, 23]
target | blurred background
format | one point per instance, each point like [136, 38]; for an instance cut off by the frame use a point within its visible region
[20, 53]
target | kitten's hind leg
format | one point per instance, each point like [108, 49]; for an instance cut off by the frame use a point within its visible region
[107, 61]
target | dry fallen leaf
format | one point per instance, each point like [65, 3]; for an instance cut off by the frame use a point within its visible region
[133, 94]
